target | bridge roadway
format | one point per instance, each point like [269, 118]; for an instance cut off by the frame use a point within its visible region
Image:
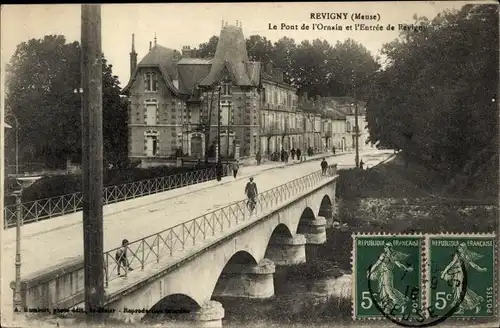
[55, 241]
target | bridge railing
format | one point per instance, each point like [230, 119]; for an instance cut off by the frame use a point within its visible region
[42, 209]
[163, 244]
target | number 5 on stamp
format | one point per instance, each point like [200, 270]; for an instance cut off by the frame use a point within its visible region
[461, 271]
[387, 276]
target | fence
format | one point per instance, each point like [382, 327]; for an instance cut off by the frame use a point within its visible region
[48, 208]
[164, 243]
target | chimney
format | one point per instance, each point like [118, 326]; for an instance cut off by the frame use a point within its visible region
[133, 57]
[150, 46]
[194, 53]
[155, 39]
[186, 51]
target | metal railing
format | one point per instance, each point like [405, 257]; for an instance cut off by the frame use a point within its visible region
[150, 249]
[47, 208]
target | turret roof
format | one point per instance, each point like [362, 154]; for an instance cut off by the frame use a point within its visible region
[231, 53]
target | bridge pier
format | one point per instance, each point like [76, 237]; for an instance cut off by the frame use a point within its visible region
[313, 230]
[210, 314]
[286, 250]
[246, 281]
[328, 214]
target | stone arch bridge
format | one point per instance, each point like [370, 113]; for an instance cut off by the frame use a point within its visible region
[240, 263]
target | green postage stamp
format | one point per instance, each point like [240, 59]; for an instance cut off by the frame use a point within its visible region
[387, 271]
[462, 275]
[423, 279]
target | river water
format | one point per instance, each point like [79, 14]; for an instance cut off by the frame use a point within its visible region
[297, 300]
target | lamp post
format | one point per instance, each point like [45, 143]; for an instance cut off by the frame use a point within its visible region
[17, 141]
[22, 183]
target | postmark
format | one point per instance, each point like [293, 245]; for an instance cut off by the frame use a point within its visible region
[462, 274]
[387, 272]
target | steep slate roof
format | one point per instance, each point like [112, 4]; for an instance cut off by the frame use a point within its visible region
[161, 58]
[190, 72]
[231, 54]
[254, 69]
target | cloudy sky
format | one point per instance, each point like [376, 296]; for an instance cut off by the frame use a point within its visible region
[177, 25]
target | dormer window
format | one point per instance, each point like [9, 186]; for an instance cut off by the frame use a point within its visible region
[151, 82]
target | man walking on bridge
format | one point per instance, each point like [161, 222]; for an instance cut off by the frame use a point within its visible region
[251, 192]
[324, 166]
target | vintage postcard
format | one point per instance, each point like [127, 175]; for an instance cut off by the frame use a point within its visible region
[250, 164]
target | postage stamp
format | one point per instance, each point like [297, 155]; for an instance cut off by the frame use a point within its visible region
[387, 271]
[462, 275]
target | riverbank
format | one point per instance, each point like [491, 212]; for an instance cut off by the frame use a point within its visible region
[387, 199]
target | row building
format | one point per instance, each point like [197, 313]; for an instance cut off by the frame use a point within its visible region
[175, 97]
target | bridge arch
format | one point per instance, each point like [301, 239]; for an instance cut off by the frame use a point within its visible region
[172, 307]
[325, 208]
[306, 218]
[280, 231]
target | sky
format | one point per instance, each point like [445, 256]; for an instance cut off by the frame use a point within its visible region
[178, 25]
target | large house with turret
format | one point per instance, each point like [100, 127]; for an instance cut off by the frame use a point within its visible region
[178, 104]
[174, 101]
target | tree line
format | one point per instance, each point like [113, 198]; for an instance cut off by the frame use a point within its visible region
[436, 98]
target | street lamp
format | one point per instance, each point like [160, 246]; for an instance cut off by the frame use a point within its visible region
[22, 184]
[17, 141]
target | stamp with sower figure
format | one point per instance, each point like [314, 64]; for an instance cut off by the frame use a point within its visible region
[423, 280]
[461, 271]
[387, 273]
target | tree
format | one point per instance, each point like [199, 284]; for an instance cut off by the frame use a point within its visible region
[207, 49]
[259, 49]
[115, 118]
[434, 99]
[40, 81]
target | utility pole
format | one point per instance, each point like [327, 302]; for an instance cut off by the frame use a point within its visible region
[92, 148]
[227, 146]
[218, 166]
[356, 128]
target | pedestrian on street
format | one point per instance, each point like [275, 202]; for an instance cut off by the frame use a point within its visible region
[292, 152]
[361, 164]
[333, 150]
[298, 155]
[286, 157]
[236, 167]
[258, 158]
[324, 166]
[121, 257]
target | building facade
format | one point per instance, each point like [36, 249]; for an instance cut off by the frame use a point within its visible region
[281, 124]
[179, 104]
